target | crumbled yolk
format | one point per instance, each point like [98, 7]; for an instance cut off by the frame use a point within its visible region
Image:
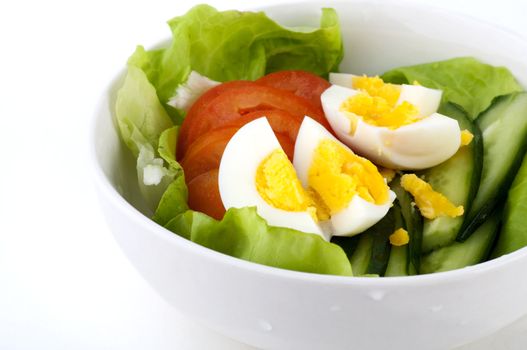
[377, 105]
[466, 137]
[278, 184]
[375, 86]
[431, 204]
[387, 173]
[399, 238]
[337, 174]
[377, 111]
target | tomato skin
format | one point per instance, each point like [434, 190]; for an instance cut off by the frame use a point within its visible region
[205, 153]
[282, 122]
[203, 102]
[231, 104]
[301, 83]
[204, 195]
[287, 145]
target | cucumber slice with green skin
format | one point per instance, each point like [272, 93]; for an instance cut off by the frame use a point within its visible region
[504, 130]
[362, 255]
[457, 178]
[513, 234]
[398, 262]
[399, 256]
[373, 249]
[380, 250]
[413, 223]
[348, 244]
[461, 254]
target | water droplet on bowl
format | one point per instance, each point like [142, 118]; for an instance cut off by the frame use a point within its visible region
[335, 308]
[264, 325]
[377, 295]
[436, 308]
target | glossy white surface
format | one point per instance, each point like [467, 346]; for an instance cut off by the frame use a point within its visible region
[64, 282]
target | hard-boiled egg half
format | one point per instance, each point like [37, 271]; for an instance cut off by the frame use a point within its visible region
[335, 193]
[395, 126]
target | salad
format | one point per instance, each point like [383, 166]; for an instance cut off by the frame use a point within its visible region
[249, 141]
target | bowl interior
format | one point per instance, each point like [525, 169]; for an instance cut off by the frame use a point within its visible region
[377, 36]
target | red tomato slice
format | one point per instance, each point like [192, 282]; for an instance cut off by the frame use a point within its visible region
[232, 103]
[301, 83]
[204, 195]
[205, 153]
[282, 122]
[287, 145]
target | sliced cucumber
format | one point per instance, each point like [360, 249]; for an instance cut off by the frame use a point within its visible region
[504, 130]
[362, 255]
[348, 244]
[457, 179]
[413, 223]
[371, 255]
[398, 262]
[399, 256]
[513, 234]
[380, 250]
[473, 251]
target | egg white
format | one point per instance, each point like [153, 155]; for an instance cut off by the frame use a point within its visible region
[237, 173]
[359, 214]
[419, 145]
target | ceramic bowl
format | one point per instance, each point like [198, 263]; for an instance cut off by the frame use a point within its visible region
[278, 309]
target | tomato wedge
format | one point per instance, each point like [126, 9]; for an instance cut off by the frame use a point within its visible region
[301, 83]
[282, 122]
[204, 195]
[230, 104]
[205, 153]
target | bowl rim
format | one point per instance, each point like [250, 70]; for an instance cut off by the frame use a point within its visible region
[111, 194]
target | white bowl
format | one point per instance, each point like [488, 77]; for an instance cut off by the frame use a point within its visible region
[279, 309]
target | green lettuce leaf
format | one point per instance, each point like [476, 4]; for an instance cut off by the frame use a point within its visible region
[245, 235]
[234, 45]
[465, 81]
[138, 111]
[144, 125]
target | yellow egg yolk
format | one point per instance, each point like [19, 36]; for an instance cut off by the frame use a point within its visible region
[387, 173]
[376, 105]
[375, 86]
[430, 203]
[278, 184]
[337, 174]
[466, 137]
[399, 238]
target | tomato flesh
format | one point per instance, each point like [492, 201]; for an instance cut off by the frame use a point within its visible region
[204, 195]
[205, 154]
[229, 105]
[301, 83]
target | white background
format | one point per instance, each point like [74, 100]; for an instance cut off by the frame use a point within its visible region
[64, 283]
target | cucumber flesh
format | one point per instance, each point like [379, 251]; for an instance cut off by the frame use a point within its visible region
[504, 131]
[458, 179]
[362, 254]
[348, 244]
[398, 262]
[413, 223]
[380, 250]
[461, 254]
[371, 255]
[399, 256]
[513, 234]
